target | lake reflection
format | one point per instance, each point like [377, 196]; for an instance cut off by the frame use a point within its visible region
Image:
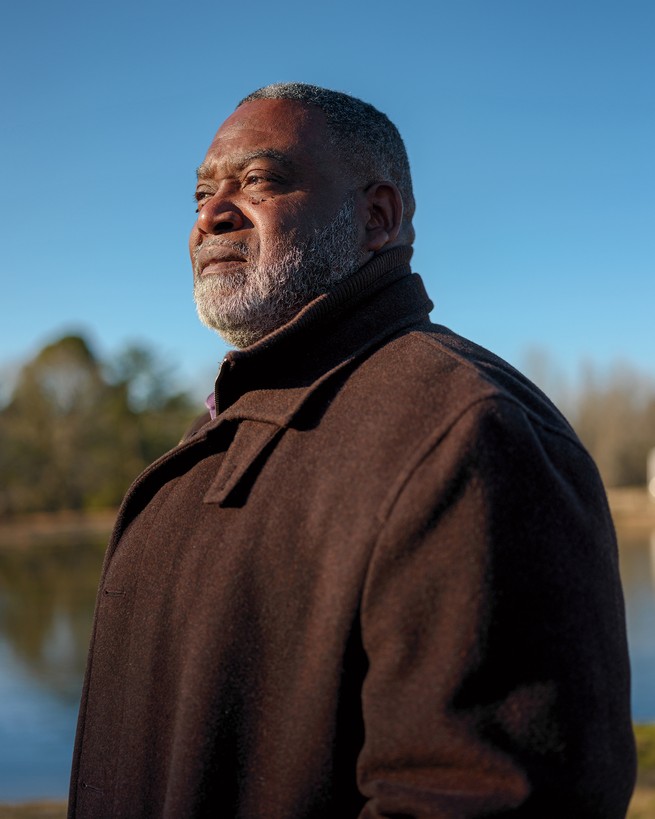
[637, 556]
[47, 595]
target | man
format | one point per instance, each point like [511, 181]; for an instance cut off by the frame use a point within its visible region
[381, 580]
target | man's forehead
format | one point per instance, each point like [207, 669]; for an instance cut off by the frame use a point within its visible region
[286, 126]
[273, 116]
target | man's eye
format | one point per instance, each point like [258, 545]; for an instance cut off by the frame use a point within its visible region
[200, 197]
[258, 178]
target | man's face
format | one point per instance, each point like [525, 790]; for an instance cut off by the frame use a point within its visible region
[277, 219]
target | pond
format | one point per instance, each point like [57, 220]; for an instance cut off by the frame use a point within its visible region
[637, 560]
[47, 594]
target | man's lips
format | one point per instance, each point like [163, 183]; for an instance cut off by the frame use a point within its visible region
[217, 255]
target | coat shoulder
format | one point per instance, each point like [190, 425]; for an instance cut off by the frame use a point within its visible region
[431, 372]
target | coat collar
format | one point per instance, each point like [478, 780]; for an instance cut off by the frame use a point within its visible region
[271, 380]
[262, 388]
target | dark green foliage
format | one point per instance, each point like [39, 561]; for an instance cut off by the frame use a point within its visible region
[77, 431]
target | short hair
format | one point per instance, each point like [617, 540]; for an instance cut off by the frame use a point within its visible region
[364, 137]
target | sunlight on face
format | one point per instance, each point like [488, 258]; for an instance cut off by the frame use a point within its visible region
[246, 304]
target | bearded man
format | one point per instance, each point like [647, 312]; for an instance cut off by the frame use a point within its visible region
[380, 577]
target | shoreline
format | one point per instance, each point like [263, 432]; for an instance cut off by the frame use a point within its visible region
[30, 530]
[642, 806]
[34, 809]
[632, 508]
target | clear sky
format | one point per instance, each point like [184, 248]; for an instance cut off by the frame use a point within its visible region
[530, 127]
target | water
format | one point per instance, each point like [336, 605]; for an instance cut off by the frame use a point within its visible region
[637, 556]
[47, 594]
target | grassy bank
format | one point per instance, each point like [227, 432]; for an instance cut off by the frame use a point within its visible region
[632, 507]
[643, 801]
[31, 530]
[34, 810]
[642, 806]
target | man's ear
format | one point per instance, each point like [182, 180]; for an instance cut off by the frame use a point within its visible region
[384, 215]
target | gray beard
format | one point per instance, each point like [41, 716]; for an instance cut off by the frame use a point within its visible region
[248, 304]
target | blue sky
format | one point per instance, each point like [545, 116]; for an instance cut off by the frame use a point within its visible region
[530, 127]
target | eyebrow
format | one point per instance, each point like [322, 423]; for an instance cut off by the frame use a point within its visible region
[206, 170]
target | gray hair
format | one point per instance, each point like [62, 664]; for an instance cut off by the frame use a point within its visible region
[365, 138]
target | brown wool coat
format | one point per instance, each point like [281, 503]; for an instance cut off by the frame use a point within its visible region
[383, 582]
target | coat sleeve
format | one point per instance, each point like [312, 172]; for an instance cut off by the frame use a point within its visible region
[493, 623]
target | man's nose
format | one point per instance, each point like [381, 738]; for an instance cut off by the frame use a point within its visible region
[219, 215]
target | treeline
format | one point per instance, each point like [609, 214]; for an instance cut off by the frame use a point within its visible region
[77, 430]
[614, 415]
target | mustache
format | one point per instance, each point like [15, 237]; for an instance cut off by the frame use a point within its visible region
[203, 251]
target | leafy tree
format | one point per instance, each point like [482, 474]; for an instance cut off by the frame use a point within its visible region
[77, 431]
